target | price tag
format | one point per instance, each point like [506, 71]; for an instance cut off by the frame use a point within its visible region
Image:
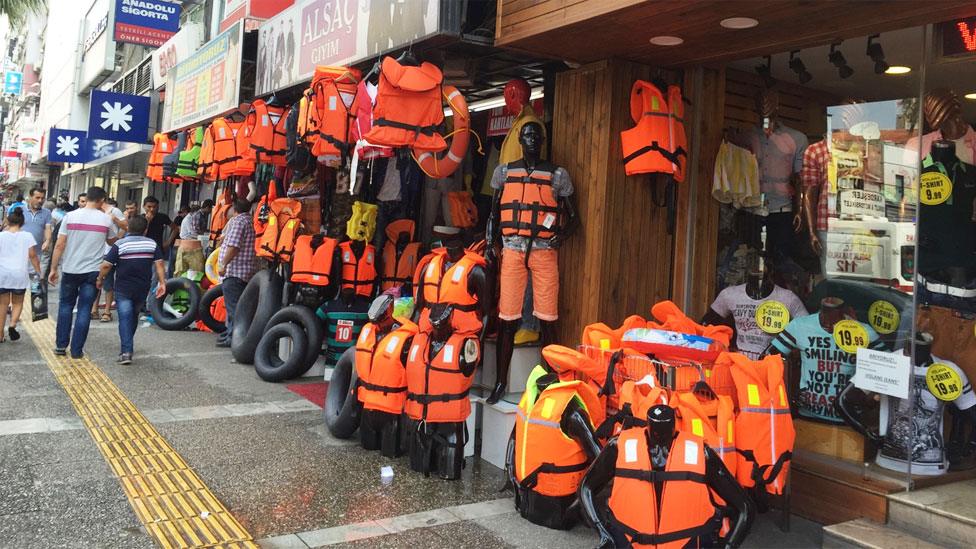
[934, 188]
[849, 335]
[772, 317]
[943, 382]
[884, 317]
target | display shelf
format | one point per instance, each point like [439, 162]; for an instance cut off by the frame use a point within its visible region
[830, 490]
[836, 441]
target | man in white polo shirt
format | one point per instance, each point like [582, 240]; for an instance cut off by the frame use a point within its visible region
[78, 254]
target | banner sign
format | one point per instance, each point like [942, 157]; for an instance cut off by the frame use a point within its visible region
[146, 22]
[13, 82]
[118, 117]
[858, 202]
[67, 146]
[336, 32]
[499, 122]
[176, 49]
[253, 12]
[206, 84]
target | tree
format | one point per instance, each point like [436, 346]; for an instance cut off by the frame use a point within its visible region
[16, 10]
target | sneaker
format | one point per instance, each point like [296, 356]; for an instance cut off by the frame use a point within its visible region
[77, 357]
[14, 334]
[60, 352]
[125, 358]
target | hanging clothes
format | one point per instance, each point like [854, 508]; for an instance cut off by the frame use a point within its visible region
[736, 177]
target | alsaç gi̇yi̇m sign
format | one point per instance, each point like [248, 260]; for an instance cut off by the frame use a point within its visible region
[146, 22]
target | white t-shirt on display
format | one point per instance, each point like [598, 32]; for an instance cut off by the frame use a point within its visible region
[14, 259]
[734, 301]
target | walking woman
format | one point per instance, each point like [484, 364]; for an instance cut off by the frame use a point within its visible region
[17, 247]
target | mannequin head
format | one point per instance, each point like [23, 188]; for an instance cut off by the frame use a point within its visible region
[943, 112]
[923, 348]
[660, 425]
[542, 382]
[440, 319]
[531, 140]
[348, 296]
[516, 94]
[381, 312]
[767, 103]
[831, 312]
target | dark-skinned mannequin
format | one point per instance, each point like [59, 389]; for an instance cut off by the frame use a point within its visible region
[438, 448]
[531, 139]
[551, 511]
[379, 430]
[660, 432]
[477, 283]
[759, 286]
[940, 261]
[358, 249]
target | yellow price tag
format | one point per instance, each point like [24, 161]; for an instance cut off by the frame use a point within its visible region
[943, 382]
[884, 317]
[934, 188]
[604, 344]
[849, 335]
[772, 317]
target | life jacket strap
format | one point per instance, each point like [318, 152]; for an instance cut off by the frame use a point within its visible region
[385, 389]
[758, 471]
[660, 476]
[532, 479]
[709, 528]
[672, 157]
[426, 130]
[444, 397]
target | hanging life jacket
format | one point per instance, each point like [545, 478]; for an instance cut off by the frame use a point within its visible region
[171, 161]
[218, 216]
[464, 214]
[712, 420]
[408, 107]
[362, 223]
[657, 144]
[528, 206]
[764, 432]
[266, 129]
[382, 371]
[162, 145]
[297, 155]
[312, 265]
[333, 107]
[365, 100]
[685, 515]
[399, 265]
[547, 461]
[207, 169]
[284, 223]
[358, 273]
[225, 147]
[189, 159]
[449, 284]
[437, 389]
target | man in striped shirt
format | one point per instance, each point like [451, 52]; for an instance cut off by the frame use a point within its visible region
[134, 257]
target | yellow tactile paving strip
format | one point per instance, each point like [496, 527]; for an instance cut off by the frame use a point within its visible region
[176, 507]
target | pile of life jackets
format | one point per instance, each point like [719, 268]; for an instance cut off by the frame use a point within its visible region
[746, 422]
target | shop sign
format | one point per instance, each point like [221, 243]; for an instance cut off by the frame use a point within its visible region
[118, 117]
[499, 122]
[858, 202]
[335, 32]
[146, 22]
[176, 49]
[98, 59]
[958, 37]
[857, 256]
[882, 372]
[207, 84]
[13, 82]
[251, 12]
[96, 32]
[67, 146]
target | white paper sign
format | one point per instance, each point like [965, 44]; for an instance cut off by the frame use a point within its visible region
[882, 372]
[858, 202]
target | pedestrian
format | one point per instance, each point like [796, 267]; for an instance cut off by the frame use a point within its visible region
[133, 258]
[171, 256]
[17, 204]
[81, 246]
[17, 250]
[37, 220]
[158, 224]
[235, 262]
[82, 201]
[131, 209]
[189, 255]
[120, 225]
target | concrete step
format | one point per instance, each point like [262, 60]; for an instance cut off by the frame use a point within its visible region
[863, 533]
[944, 515]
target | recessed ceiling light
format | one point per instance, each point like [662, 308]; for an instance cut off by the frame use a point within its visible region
[971, 96]
[898, 69]
[739, 23]
[667, 41]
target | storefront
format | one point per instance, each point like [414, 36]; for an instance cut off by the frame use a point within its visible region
[822, 114]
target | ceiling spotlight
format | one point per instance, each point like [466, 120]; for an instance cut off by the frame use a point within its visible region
[970, 96]
[898, 69]
[797, 66]
[766, 71]
[738, 23]
[837, 59]
[876, 53]
[666, 40]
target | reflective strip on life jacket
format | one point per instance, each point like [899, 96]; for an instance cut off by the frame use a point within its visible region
[437, 390]
[528, 206]
[358, 273]
[310, 266]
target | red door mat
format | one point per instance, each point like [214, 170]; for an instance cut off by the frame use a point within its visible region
[313, 392]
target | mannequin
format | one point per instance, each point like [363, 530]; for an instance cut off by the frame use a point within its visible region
[344, 317]
[943, 112]
[431, 285]
[559, 512]
[438, 446]
[660, 435]
[525, 252]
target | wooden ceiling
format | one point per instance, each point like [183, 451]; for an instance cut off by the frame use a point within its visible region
[589, 30]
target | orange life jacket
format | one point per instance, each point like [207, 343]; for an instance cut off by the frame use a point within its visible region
[207, 169]
[633, 401]
[464, 214]
[408, 107]
[382, 372]
[310, 266]
[218, 216]
[528, 206]
[685, 514]
[548, 461]
[437, 390]
[358, 273]
[284, 222]
[657, 144]
[712, 420]
[604, 337]
[229, 149]
[398, 266]
[421, 270]
[333, 97]
[261, 213]
[570, 364]
[266, 130]
[449, 284]
[764, 433]
[162, 145]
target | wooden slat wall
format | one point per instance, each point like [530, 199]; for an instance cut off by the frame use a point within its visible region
[521, 18]
[800, 108]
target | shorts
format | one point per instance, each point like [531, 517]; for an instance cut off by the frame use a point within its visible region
[108, 284]
[15, 291]
[544, 267]
[189, 260]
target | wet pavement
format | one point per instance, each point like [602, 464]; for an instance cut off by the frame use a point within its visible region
[262, 450]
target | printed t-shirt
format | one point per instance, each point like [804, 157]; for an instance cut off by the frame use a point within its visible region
[916, 422]
[825, 368]
[750, 340]
[86, 230]
[133, 257]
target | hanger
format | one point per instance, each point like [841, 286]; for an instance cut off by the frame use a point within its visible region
[274, 101]
[407, 58]
[373, 76]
